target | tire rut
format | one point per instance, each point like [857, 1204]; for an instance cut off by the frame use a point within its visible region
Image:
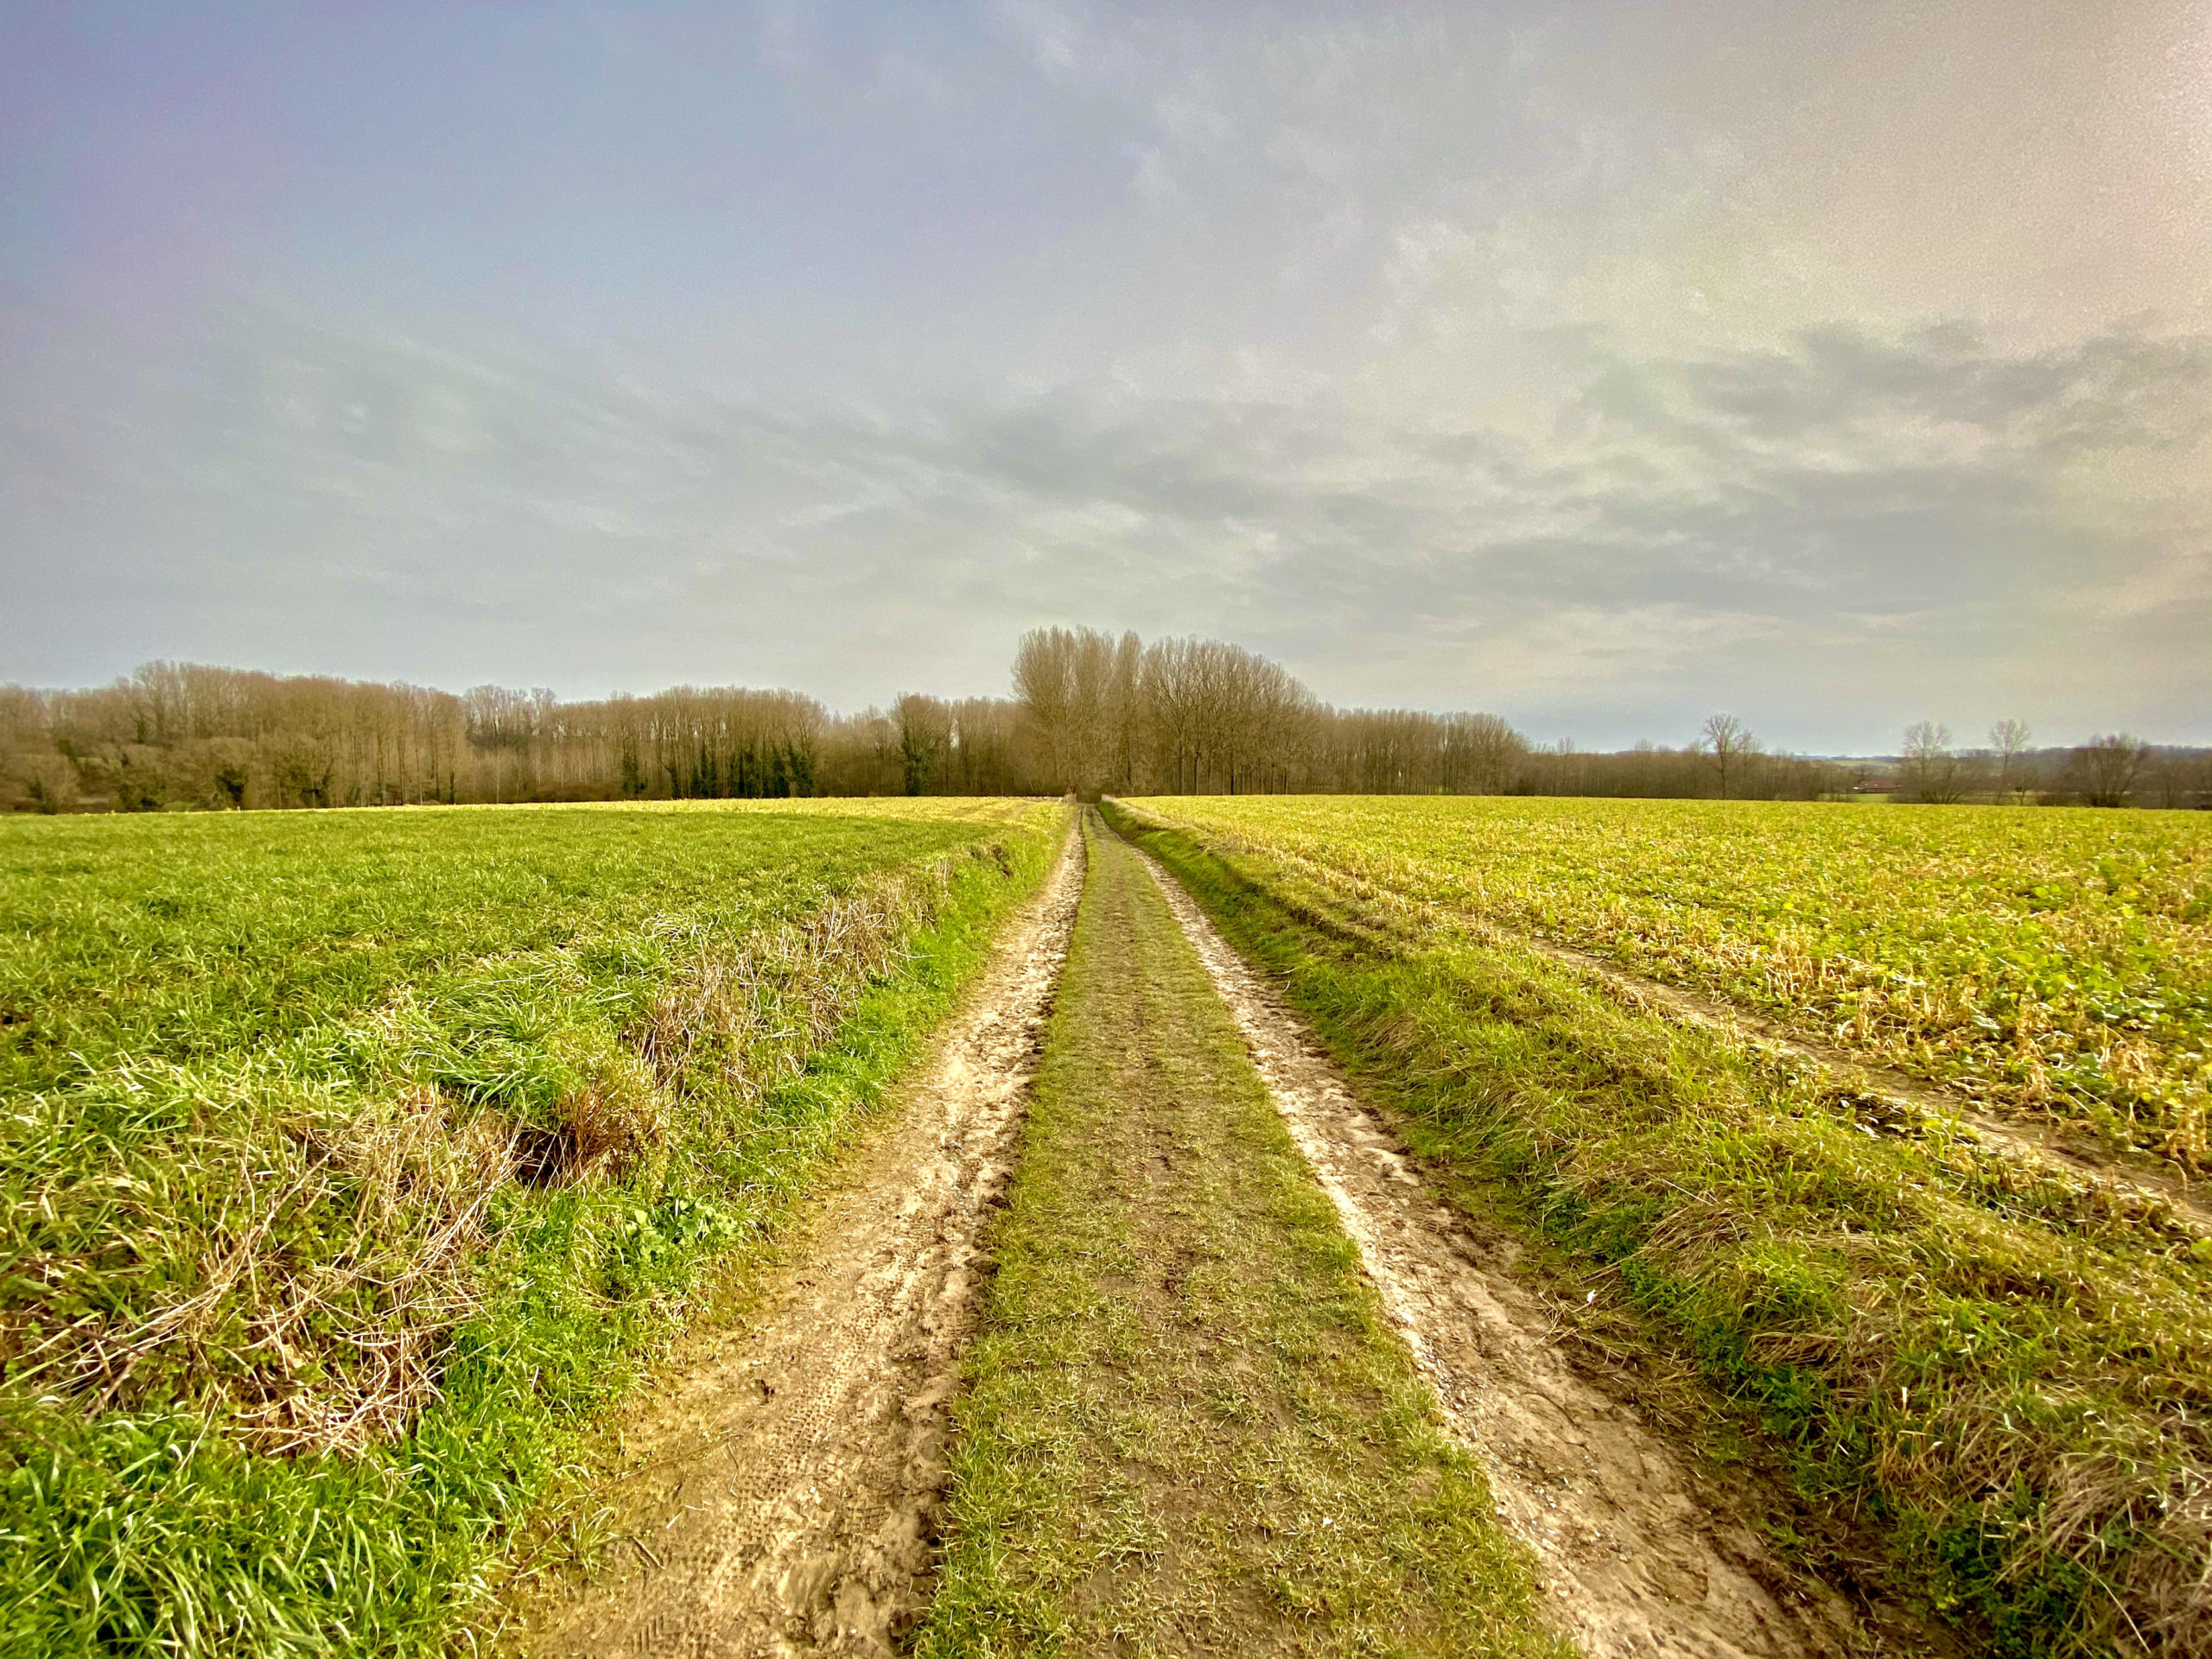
[799, 1468]
[2152, 1190]
[2164, 1194]
[1633, 1562]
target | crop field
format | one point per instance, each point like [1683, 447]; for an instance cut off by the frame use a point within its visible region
[1986, 1381]
[360, 1166]
[353, 1158]
[2057, 961]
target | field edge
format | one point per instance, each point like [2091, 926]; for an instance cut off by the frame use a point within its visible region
[1752, 1355]
[151, 1524]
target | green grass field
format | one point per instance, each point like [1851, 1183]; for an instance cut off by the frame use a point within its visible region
[2002, 1382]
[2056, 960]
[354, 1159]
[356, 1162]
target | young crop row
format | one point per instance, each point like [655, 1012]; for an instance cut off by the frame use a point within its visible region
[2055, 960]
[350, 1157]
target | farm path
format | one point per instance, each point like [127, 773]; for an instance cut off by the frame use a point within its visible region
[1189, 1428]
[1633, 1557]
[796, 1463]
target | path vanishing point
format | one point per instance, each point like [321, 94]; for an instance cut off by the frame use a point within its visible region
[788, 1475]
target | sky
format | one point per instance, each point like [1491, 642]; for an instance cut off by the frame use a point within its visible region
[1605, 366]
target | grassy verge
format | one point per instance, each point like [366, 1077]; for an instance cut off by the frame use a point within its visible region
[1188, 1430]
[298, 1332]
[2011, 1386]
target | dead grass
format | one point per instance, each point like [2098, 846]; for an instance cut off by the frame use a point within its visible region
[748, 1016]
[327, 1345]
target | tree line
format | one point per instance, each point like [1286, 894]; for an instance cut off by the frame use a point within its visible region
[1093, 712]
[2111, 769]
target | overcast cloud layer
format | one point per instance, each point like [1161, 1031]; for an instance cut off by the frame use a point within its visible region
[1602, 365]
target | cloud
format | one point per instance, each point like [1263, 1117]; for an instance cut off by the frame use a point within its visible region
[1599, 367]
[1683, 525]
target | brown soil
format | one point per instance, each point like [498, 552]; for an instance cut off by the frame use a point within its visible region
[788, 1475]
[1634, 1552]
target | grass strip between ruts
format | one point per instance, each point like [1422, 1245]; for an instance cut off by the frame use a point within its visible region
[2012, 1387]
[1187, 1428]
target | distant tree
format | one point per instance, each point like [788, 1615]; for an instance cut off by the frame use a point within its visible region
[1122, 714]
[1479, 754]
[1934, 770]
[2106, 767]
[924, 743]
[1063, 677]
[211, 772]
[2008, 741]
[2191, 780]
[2165, 780]
[1728, 746]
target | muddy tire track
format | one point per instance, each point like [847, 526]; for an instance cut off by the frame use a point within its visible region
[797, 1470]
[1631, 1558]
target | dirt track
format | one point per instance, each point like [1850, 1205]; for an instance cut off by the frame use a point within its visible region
[791, 1474]
[1633, 1562]
[796, 1469]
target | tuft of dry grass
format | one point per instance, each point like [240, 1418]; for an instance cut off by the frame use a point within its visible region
[743, 1019]
[328, 1261]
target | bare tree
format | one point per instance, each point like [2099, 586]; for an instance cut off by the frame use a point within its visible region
[2167, 779]
[1124, 714]
[1043, 682]
[1174, 696]
[1479, 754]
[2106, 767]
[1076, 686]
[1728, 746]
[2008, 741]
[2189, 779]
[1934, 770]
